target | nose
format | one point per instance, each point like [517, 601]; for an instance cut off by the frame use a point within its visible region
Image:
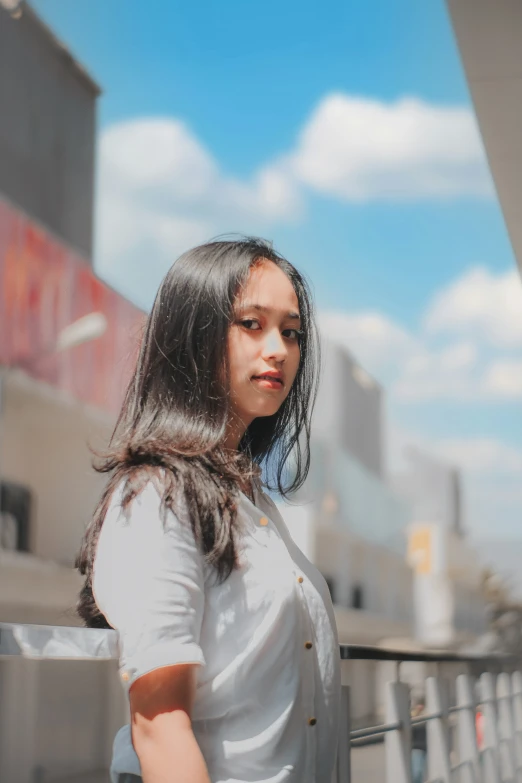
[274, 346]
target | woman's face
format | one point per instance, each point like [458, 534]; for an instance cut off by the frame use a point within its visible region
[263, 343]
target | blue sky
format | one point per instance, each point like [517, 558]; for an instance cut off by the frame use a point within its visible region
[404, 241]
[246, 80]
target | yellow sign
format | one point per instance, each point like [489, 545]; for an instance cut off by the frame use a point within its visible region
[420, 550]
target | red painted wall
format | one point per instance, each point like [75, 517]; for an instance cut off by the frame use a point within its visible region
[44, 286]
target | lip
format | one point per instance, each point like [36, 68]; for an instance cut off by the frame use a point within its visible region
[272, 379]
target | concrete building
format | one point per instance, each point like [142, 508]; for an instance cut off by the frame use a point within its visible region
[393, 550]
[47, 132]
[346, 519]
[370, 583]
[349, 412]
[57, 718]
[432, 488]
[45, 455]
[450, 605]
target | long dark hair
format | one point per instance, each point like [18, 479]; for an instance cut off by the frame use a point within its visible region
[175, 412]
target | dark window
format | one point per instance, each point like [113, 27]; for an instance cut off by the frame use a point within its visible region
[357, 601]
[15, 516]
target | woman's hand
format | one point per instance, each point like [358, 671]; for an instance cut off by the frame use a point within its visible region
[161, 707]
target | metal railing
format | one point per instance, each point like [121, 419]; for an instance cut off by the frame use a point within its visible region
[469, 731]
[470, 726]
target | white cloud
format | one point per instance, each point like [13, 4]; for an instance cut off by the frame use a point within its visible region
[503, 378]
[160, 192]
[480, 455]
[463, 351]
[444, 373]
[406, 364]
[359, 149]
[481, 303]
[491, 475]
[161, 153]
[378, 343]
[163, 165]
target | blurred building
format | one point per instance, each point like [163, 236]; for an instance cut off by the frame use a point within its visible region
[57, 718]
[370, 583]
[348, 413]
[393, 550]
[346, 519]
[53, 402]
[47, 132]
[488, 35]
[432, 488]
[450, 606]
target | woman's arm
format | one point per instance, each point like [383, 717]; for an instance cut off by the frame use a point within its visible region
[161, 706]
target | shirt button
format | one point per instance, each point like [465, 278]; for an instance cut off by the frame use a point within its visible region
[300, 579]
[263, 521]
[125, 676]
[308, 645]
[312, 721]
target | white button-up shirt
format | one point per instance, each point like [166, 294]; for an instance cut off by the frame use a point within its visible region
[267, 699]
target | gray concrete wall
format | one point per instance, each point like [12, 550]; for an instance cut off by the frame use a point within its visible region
[47, 130]
[58, 719]
[432, 488]
[348, 411]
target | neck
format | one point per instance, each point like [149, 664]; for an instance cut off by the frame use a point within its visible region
[235, 431]
[233, 437]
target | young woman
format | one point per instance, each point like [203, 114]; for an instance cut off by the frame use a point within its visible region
[227, 635]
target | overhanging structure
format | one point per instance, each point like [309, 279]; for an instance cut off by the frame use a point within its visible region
[489, 36]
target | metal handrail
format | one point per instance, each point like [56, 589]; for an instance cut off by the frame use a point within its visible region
[357, 652]
[503, 721]
[375, 731]
[60, 641]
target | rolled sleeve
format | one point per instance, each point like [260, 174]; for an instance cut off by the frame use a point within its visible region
[148, 580]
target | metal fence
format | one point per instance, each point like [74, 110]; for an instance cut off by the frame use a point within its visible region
[468, 730]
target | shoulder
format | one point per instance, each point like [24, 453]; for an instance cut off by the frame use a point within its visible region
[141, 526]
[147, 503]
[146, 561]
[140, 540]
[126, 513]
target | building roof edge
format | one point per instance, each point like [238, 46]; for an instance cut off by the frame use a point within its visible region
[64, 50]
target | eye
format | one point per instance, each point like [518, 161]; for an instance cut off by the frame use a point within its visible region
[293, 334]
[251, 324]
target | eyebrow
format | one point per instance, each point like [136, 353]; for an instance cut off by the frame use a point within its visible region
[253, 306]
